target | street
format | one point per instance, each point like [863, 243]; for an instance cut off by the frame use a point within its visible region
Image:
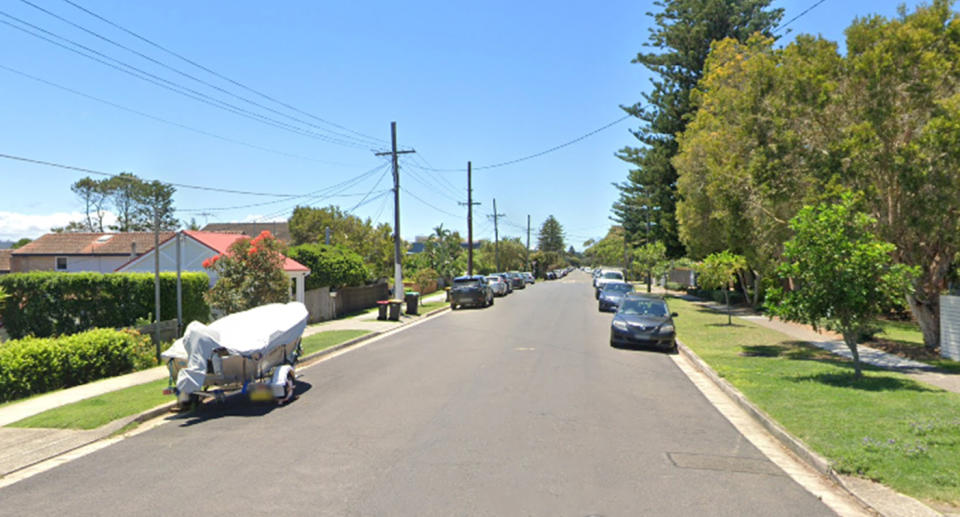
[519, 409]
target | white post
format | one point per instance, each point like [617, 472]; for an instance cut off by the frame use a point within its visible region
[300, 286]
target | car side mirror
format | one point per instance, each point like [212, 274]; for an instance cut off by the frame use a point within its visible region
[673, 315]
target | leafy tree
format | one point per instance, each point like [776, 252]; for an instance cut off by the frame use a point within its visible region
[512, 254]
[684, 32]
[718, 271]
[155, 200]
[842, 273]
[330, 266]
[551, 236]
[608, 251]
[71, 227]
[123, 191]
[373, 243]
[250, 274]
[650, 261]
[423, 279]
[21, 243]
[192, 225]
[4, 296]
[93, 194]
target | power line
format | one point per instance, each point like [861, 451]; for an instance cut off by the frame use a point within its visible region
[111, 175]
[442, 211]
[791, 20]
[541, 153]
[375, 185]
[216, 74]
[189, 76]
[168, 85]
[342, 186]
[163, 120]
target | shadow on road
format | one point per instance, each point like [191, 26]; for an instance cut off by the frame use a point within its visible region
[237, 405]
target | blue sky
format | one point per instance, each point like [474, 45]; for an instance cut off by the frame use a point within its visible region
[486, 82]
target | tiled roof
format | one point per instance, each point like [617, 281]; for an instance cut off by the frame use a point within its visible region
[279, 229]
[220, 242]
[91, 243]
[5, 261]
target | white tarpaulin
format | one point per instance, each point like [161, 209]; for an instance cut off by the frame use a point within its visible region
[252, 334]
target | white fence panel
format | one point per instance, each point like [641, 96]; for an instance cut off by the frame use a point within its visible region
[950, 327]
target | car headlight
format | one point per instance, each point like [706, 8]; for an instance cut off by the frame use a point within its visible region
[666, 329]
[620, 324]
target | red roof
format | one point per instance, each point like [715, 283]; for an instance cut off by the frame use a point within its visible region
[220, 242]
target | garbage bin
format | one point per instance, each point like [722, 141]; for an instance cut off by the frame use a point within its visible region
[413, 302]
[447, 290]
[382, 309]
[395, 310]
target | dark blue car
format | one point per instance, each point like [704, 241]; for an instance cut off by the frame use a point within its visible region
[611, 296]
[643, 321]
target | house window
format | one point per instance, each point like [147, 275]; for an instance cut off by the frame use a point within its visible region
[61, 263]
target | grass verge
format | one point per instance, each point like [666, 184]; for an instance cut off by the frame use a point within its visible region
[885, 427]
[323, 340]
[96, 411]
[429, 306]
[100, 410]
[904, 338]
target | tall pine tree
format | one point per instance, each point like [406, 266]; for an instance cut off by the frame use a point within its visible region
[684, 32]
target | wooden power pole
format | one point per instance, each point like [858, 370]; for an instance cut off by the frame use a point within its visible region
[470, 204]
[397, 259]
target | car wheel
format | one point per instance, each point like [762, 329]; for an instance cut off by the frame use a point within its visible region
[453, 306]
[674, 349]
[491, 300]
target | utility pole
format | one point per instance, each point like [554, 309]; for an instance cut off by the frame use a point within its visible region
[527, 258]
[469, 204]
[397, 265]
[496, 234]
[156, 277]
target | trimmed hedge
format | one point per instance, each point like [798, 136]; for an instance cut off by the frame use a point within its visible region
[330, 265]
[37, 365]
[49, 303]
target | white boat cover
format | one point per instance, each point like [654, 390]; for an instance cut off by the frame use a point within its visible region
[252, 333]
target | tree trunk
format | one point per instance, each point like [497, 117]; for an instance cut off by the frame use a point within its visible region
[927, 313]
[850, 339]
[649, 280]
[726, 296]
[756, 289]
[742, 278]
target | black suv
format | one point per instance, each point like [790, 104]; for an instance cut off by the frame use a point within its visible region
[470, 290]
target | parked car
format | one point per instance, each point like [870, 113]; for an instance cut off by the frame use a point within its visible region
[517, 280]
[497, 284]
[612, 295]
[551, 275]
[644, 321]
[606, 277]
[528, 276]
[470, 290]
[506, 279]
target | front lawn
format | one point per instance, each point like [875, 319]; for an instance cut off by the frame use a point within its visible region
[96, 411]
[885, 427]
[323, 340]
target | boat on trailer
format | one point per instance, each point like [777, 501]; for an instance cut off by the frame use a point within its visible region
[254, 351]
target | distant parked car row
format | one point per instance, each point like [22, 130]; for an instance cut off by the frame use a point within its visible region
[557, 274]
[639, 319]
[480, 290]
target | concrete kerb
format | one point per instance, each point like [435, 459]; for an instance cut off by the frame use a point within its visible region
[799, 449]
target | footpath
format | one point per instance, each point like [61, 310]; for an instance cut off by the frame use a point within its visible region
[23, 447]
[920, 372]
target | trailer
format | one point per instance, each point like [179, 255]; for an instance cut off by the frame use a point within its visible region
[254, 352]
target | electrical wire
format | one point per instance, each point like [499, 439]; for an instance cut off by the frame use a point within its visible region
[426, 203]
[163, 120]
[168, 85]
[375, 185]
[342, 186]
[791, 20]
[192, 77]
[541, 153]
[111, 175]
[216, 74]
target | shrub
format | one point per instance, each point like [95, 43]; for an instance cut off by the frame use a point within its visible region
[250, 274]
[50, 303]
[37, 365]
[330, 266]
[425, 280]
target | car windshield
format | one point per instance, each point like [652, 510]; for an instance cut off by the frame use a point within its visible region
[640, 307]
[467, 282]
[613, 274]
[493, 279]
[618, 288]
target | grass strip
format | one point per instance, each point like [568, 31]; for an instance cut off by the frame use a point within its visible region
[885, 427]
[96, 411]
[323, 340]
[100, 410]
[429, 306]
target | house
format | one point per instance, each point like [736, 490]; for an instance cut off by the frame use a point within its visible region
[5, 261]
[78, 252]
[279, 229]
[198, 246]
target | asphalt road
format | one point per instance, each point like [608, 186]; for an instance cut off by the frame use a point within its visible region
[518, 409]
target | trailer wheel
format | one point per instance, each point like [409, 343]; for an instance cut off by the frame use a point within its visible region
[288, 388]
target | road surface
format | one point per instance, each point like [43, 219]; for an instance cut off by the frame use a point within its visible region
[519, 409]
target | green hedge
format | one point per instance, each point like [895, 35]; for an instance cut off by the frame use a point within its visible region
[330, 266]
[37, 365]
[51, 304]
